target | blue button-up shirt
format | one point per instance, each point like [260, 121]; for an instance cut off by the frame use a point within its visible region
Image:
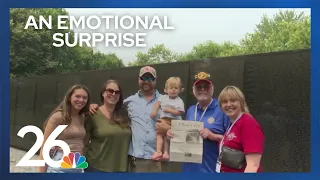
[143, 143]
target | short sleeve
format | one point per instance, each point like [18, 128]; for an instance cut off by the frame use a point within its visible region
[251, 136]
[127, 101]
[180, 106]
[220, 124]
[162, 98]
[190, 113]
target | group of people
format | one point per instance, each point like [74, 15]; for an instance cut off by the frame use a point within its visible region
[132, 134]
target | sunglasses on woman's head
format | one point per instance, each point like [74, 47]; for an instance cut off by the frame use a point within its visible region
[111, 91]
[144, 78]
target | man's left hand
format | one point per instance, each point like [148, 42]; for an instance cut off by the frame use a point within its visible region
[205, 133]
[162, 127]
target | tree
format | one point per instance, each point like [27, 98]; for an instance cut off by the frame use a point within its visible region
[155, 55]
[210, 49]
[32, 53]
[103, 61]
[287, 30]
[85, 58]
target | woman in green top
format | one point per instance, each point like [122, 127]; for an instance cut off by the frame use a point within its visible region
[108, 133]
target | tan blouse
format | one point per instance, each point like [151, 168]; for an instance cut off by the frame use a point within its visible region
[74, 134]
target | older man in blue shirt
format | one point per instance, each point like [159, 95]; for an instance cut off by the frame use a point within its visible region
[215, 122]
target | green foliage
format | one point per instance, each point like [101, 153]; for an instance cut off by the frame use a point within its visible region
[12, 76]
[155, 55]
[287, 30]
[102, 61]
[32, 53]
[30, 50]
[210, 49]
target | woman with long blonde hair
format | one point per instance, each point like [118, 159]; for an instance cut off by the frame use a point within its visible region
[241, 148]
[72, 111]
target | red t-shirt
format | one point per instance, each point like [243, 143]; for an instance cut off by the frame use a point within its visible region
[246, 135]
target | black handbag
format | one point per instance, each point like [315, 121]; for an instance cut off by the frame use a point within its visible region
[232, 158]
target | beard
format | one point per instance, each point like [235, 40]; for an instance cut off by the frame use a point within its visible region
[202, 97]
[146, 87]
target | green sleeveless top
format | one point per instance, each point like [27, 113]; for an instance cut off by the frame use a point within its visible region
[108, 149]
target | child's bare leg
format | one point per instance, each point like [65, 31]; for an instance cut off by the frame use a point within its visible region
[158, 153]
[165, 148]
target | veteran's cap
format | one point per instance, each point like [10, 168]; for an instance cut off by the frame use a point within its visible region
[202, 76]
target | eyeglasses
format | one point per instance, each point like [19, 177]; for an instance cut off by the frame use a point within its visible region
[205, 86]
[111, 91]
[150, 78]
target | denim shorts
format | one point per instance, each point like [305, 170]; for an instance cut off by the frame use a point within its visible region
[58, 155]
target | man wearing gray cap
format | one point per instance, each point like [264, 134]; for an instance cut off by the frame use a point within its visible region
[140, 105]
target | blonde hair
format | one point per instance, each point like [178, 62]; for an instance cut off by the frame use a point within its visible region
[234, 93]
[173, 81]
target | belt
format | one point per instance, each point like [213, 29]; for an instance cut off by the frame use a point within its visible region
[132, 161]
[132, 158]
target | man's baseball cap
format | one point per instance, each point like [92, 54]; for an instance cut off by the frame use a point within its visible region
[148, 69]
[202, 76]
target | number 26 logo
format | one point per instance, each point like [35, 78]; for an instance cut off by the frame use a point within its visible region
[50, 142]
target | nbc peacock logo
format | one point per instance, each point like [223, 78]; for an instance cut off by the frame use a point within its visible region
[74, 161]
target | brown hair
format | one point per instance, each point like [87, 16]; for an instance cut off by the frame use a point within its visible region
[235, 93]
[120, 114]
[65, 106]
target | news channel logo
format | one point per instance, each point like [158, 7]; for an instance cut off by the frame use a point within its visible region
[70, 160]
[74, 161]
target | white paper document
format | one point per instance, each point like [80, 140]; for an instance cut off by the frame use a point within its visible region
[186, 144]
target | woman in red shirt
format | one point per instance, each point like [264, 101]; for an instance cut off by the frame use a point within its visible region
[241, 148]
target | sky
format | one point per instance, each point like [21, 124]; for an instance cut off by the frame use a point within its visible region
[192, 26]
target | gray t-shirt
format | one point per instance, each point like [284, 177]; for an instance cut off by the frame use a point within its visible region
[175, 103]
